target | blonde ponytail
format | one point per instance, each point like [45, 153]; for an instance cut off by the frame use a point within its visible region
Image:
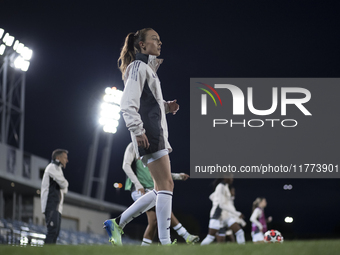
[130, 48]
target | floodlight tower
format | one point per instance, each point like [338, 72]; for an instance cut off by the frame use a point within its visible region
[14, 60]
[108, 122]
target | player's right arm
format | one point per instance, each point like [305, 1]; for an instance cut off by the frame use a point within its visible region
[129, 157]
[130, 102]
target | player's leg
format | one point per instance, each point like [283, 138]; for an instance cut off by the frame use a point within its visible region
[239, 233]
[58, 223]
[141, 205]
[114, 227]
[214, 226]
[257, 237]
[220, 235]
[151, 229]
[181, 230]
[161, 172]
[230, 236]
[52, 221]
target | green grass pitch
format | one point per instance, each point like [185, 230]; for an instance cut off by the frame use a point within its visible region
[311, 247]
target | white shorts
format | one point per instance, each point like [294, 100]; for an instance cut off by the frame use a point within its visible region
[217, 224]
[224, 232]
[228, 222]
[257, 237]
[229, 232]
[137, 194]
[148, 158]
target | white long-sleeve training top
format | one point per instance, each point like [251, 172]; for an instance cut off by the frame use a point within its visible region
[222, 200]
[143, 106]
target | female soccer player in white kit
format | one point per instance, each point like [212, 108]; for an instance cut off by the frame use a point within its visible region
[144, 112]
[225, 231]
[223, 213]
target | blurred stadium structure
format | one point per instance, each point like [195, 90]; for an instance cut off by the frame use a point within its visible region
[21, 220]
[20, 210]
[22, 233]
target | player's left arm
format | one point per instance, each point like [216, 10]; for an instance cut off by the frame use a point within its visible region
[171, 107]
[180, 176]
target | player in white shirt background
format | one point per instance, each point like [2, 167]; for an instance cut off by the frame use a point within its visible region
[225, 232]
[223, 212]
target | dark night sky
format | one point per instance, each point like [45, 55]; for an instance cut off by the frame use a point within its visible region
[75, 48]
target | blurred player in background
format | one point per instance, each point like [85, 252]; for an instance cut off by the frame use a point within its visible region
[223, 212]
[225, 233]
[258, 219]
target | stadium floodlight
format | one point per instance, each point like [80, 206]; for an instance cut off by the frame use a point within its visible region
[110, 109]
[20, 48]
[5, 37]
[18, 62]
[25, 65]
[109, 129]
[16, 44]
[288, 219]
[8, 39]
[118, 185]
[112, 95]
[2, 49]
[26, 53]
[108, 91]
[22, 64]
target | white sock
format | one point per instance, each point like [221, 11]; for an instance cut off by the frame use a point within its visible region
[146, 242]
[208, 240]
[240, 237]
[181, 231]
[141, 205]
[163, 214]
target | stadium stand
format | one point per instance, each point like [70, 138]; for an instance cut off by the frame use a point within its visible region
[15, 232]
[21, 219]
